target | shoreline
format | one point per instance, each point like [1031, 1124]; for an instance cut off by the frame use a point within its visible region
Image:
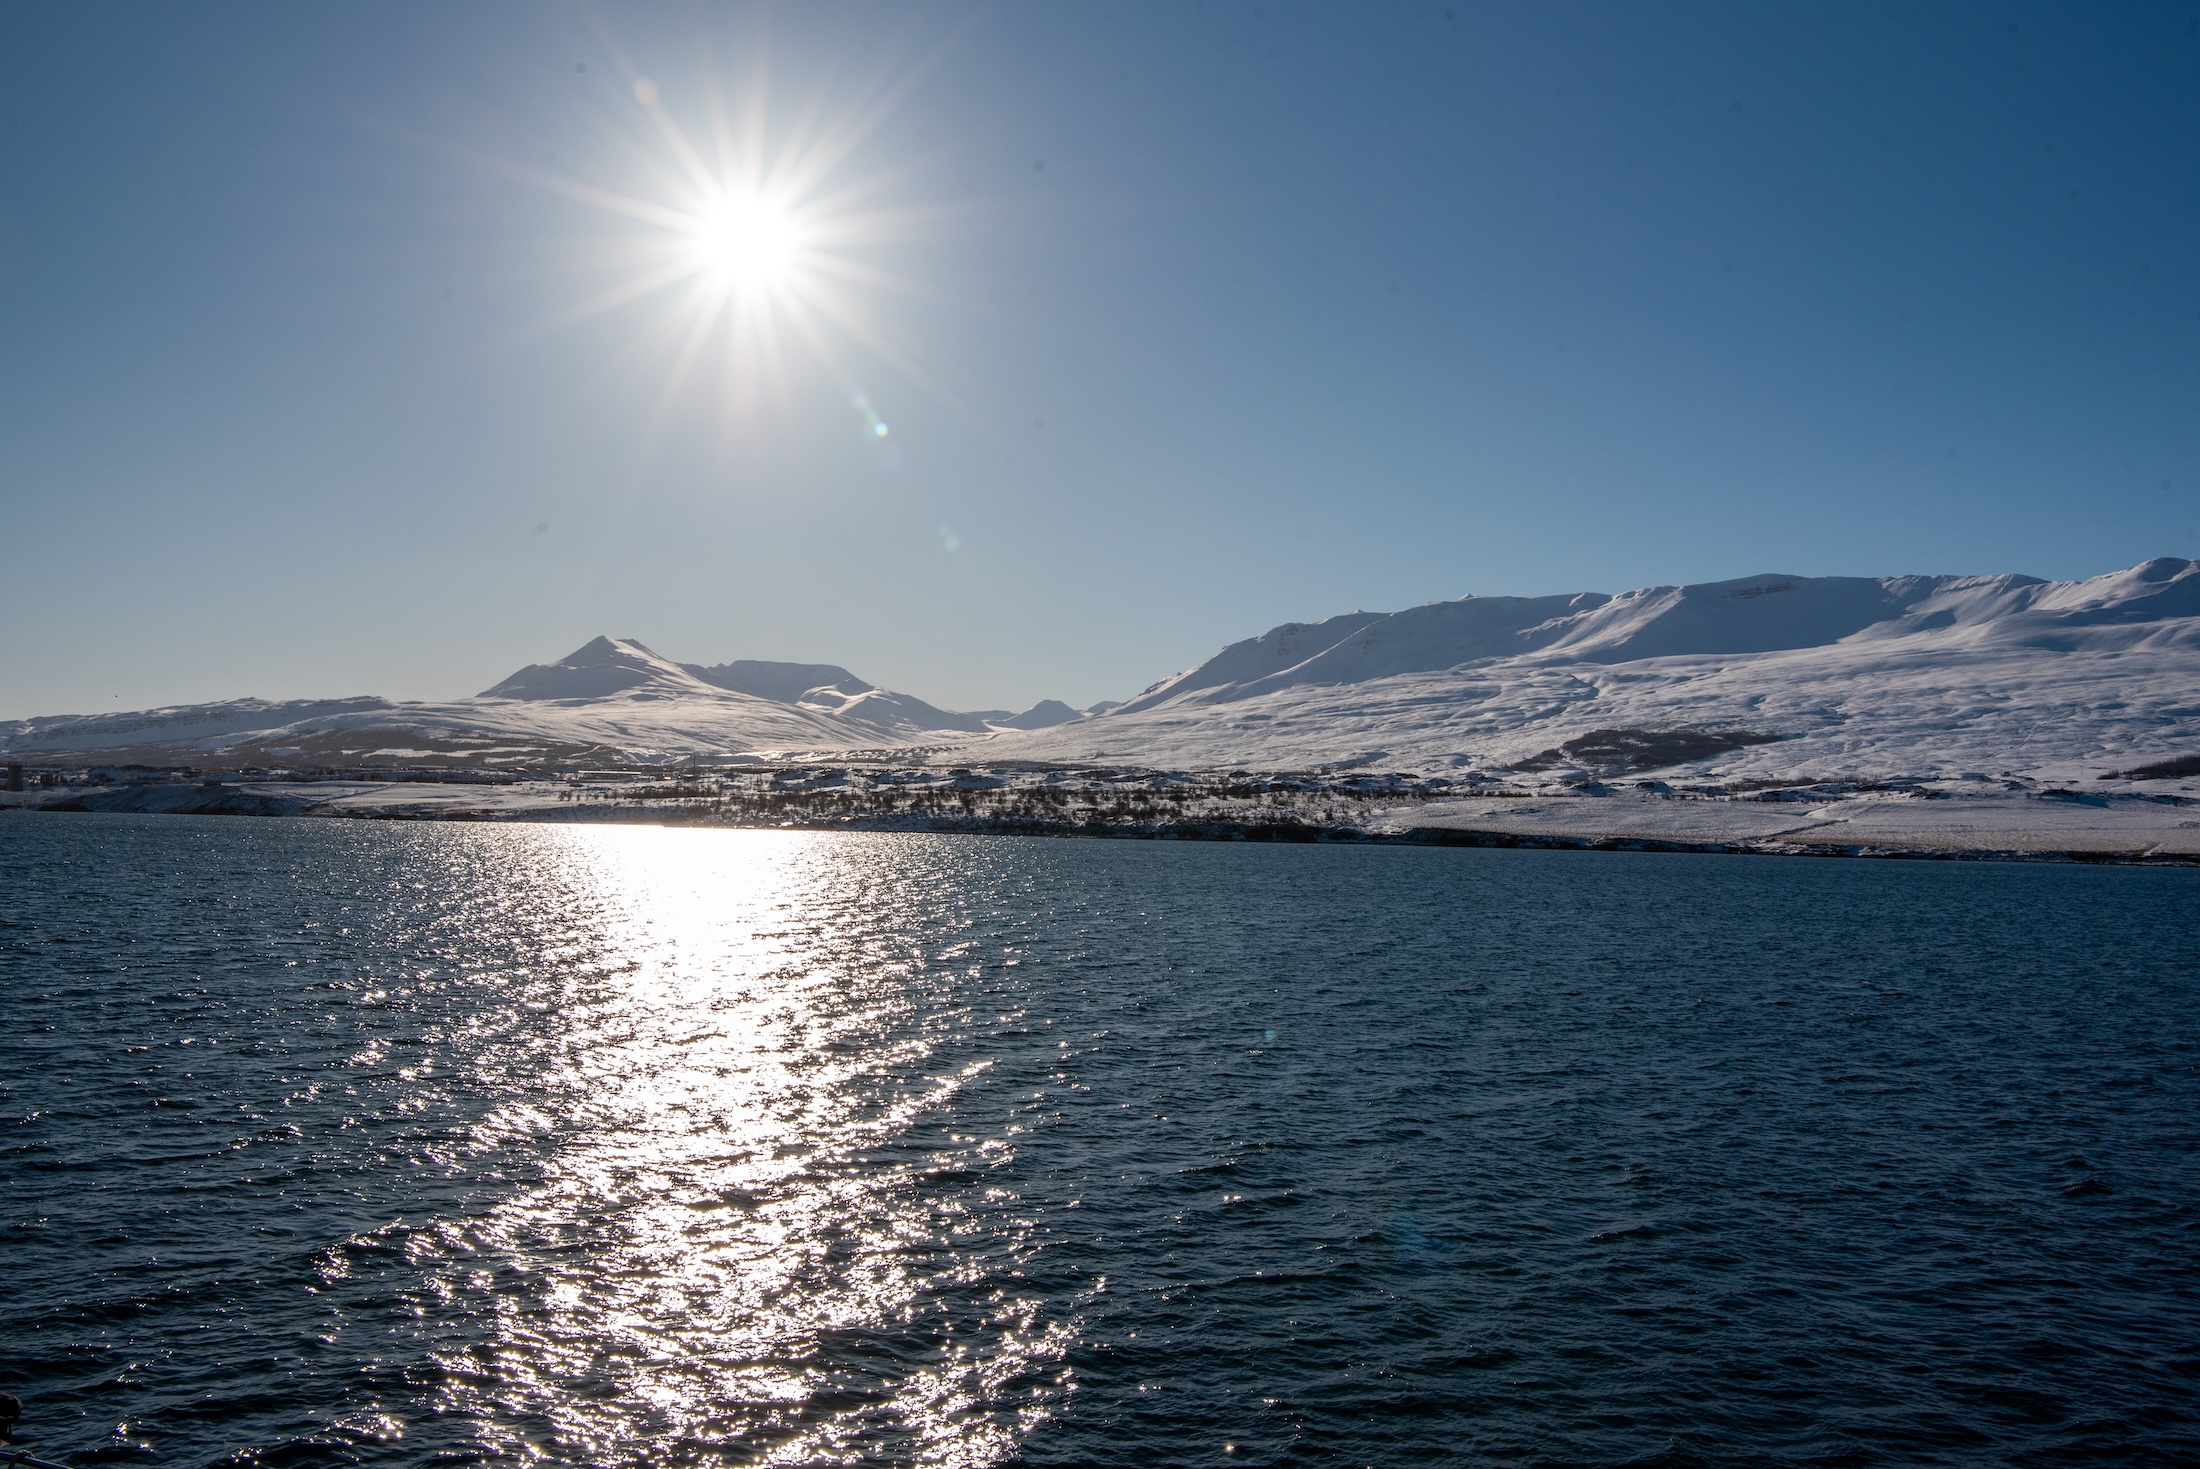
[239, 801]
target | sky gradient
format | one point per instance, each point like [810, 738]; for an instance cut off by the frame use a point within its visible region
[1186, 320]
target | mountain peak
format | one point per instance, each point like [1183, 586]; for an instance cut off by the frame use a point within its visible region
[1045, 714]
[599, 669]
[606, 649]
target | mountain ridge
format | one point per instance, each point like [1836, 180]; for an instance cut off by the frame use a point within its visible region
[1759, 676]
[1863, 676]
[610, 700]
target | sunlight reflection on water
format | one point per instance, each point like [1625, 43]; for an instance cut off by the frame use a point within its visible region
[727, 1240]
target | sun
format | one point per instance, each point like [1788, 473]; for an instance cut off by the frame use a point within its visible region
[747, 244]
[756, 238]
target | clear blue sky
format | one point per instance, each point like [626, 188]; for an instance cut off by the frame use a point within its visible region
[1310, 308]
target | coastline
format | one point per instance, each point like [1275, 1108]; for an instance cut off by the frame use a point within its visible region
[1914, 820]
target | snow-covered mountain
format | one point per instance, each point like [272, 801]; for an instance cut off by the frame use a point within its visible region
[1767, 677]
[612, 700]
[1046, 714]
[1770, 676]
[624, 668]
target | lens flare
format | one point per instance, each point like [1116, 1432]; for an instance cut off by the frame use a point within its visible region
[874, 427]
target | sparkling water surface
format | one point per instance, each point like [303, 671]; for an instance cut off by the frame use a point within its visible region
[332, 1143]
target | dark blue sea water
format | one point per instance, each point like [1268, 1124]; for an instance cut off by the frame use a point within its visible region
[332, 1143]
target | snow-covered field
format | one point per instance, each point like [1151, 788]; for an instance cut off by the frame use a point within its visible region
[2029, 823]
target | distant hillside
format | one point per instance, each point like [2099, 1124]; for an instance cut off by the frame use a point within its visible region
[613, 699]
[1764, 676]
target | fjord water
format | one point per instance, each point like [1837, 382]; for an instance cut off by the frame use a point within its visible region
[437, 1144]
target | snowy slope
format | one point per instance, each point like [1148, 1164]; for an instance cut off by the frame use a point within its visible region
[784, 682]
[833, 689]
[1762, 678]
[1818, 677]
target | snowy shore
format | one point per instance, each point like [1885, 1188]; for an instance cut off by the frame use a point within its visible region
[2159, 823]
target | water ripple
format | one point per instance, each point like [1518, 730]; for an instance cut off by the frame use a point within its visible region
[333, 1143]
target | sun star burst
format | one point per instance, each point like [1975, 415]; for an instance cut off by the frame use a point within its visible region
[753, 237]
